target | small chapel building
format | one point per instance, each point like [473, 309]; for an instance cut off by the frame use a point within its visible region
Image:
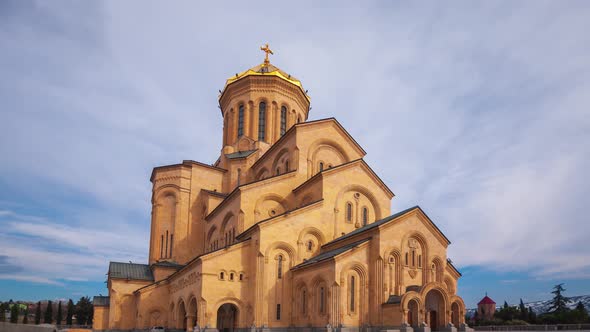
[289, 228]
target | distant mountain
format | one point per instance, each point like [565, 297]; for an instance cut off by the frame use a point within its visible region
[540, 307]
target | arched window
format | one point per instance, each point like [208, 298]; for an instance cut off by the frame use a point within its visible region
[239, 173]
[419, 260]
[309, 245]
[349, 212]
[241, 276]
[278, 171]
[299, 119]
[321, 166]
[162, 247]
[231, 276]
[352, 286]
[322, 300]
[166, 249]
[413, 258]
[278, 312]
[171, 243]
[280, 267]
[283, 120]
[241, 121]
[221, 275]
[365, 216]
[303, 302]
[261, 121]
[406, 258]
[286, 166]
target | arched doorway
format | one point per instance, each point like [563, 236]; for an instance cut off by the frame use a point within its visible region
[435, 310]
[227, 318]
[413, 313]
[455, 314]
[181, 317]
[192, 314]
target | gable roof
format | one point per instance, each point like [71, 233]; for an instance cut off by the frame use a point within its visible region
[330, 254]
[384, 221]
[132, 271]
[486, 300]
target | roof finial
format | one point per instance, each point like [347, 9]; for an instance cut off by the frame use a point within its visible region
[266, 50]
[486, 293]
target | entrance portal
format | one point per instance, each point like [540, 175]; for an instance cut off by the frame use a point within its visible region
[227, 317]
[435, 308]
[413, 313]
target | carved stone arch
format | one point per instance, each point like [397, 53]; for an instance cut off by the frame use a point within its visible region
[262, 174]
[442, 308]
[393, 270]
[240, 306]
[326, 142]
[425, 251]
[225, 221]
[364, 191]
[258, 208]
[280, 154]
[166, 190]
[280, 245]
[356, 297]
[449, 284]
[314, 231]
[210, 233]
[438, 269]
[409, 296]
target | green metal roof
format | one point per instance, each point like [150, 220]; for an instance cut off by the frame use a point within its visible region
[101, 301]
[131, 271]
[240, 154]
[331, 253]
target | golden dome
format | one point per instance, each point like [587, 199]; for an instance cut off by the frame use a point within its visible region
[265, 69]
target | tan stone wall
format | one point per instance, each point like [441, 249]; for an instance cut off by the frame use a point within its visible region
[100, 320]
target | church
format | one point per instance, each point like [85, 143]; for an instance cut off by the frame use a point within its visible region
[288, 228]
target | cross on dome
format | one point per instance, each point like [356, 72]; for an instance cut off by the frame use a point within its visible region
[268, 51]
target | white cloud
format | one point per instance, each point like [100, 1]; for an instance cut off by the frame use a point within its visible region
[477, 112]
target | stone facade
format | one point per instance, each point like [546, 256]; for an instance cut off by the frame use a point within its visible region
[290, 227]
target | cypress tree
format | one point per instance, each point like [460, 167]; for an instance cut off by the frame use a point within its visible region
[48, 313]
[59, 317]
[26, 317]
[38, 313]
[523, 313]
[70, 312]
[2, 312]
[14, 314]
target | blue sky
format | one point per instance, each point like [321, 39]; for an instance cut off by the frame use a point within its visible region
[477, 111]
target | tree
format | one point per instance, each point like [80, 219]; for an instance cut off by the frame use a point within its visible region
[83, 310]
[38, 313]
[48, 318]
[559, 302]
[59, 317]
[2, 312]
[532, 317]
[26, 316]
[523, 311]
[70, 312]
[14, 313]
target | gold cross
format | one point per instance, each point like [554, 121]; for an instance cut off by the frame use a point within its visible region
[266, 50]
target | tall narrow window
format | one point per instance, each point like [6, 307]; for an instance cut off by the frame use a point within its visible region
[348, 212]
[278, 312]
[162, 247]
[280, 267]
[171, 243]
[286, 166]
[419, 260]
[241, 121]
[321, 166]
[283, 120]
[261, 121]
[322, 299]
[406, 258]
[352, 285]
[365, 216]
[166, 250]
[303, 302]
[413, 258]
[278, 171]
[239, 174]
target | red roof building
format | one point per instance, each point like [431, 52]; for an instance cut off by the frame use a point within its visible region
[486, 308]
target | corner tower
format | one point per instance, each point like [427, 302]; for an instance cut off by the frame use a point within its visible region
[259, 105]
